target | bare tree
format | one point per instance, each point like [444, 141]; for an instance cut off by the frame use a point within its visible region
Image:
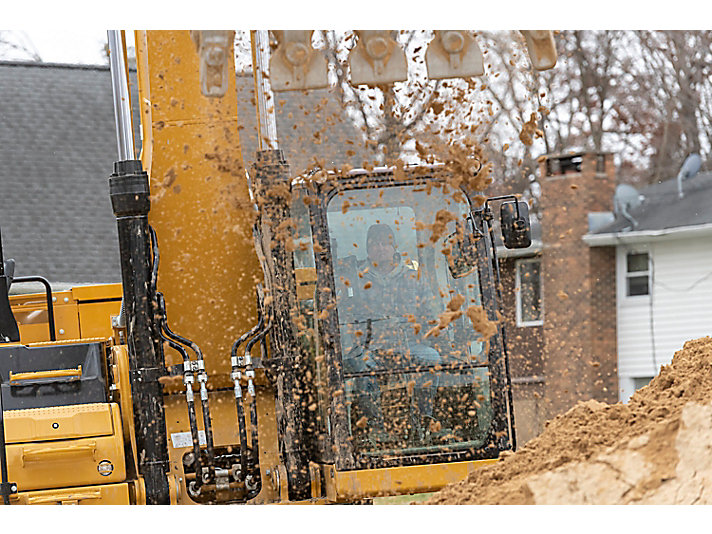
[675, 75]
[646, 96]
[16, 45]
[388, 115]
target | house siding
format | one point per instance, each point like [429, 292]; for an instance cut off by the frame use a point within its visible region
[652, 327]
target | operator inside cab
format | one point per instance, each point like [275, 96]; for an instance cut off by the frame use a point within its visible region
[393, 303]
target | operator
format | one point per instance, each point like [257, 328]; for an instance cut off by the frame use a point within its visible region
[391, 293]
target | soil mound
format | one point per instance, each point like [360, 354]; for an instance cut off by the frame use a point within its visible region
[651, 450]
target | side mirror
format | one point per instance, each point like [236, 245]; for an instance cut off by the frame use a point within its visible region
[516, 229]
[461, 252]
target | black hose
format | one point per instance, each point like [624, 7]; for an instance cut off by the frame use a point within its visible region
[253, 407]
[246, 336]
[251, 494]
[191, 406]
[241, 424]
[209, 445]
[172, 340]
[203, 390]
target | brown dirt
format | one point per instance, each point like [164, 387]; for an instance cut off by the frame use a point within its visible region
[655, 449]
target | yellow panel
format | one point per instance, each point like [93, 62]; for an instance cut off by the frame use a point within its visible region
[97, 292]
[68, 462]
[31, 314]
[200, 206]
[58, 422]
[350, 485]
[108, 494]
[95, 318]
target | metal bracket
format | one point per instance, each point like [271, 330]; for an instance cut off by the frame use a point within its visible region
[215, 49]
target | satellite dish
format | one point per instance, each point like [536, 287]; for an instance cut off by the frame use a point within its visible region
[689, 169]
[625, 199]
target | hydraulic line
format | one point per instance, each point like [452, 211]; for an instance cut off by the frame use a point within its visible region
[188, 380]
[241, 425]
[200, 364]
[236, 375]
[252, 493]
[203, 380]
[250, 374]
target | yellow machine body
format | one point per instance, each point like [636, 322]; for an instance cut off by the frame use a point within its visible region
[200, 204]
[65, 446]
[79, 313]
[203, 217]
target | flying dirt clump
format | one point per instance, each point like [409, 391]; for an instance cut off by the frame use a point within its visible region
[653, 450]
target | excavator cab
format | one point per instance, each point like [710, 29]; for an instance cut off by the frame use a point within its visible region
[405, 368]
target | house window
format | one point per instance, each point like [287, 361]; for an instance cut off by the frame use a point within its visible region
[641, 381]
[528, 292]
[637, 274]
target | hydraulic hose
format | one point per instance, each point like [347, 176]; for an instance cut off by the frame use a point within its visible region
[241, 425]
[202, 374]
[236, 375]
[203, 380]
[188, 380]
[252, 493]
[253, 459]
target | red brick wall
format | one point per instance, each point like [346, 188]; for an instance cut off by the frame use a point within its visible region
[524, 347]
[604, 348]
[524, 344]
[578, 288]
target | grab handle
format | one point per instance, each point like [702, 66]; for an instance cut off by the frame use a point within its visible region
[40, 375]
[58, 453]
[66, 498]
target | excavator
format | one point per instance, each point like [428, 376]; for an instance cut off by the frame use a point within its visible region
[247, 356]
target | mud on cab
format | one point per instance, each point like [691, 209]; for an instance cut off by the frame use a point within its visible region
[398, 391]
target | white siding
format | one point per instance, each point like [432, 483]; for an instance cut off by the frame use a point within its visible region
[678, 309]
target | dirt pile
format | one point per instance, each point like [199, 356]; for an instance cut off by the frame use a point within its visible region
[653, 450]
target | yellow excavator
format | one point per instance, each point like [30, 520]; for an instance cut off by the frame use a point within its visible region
[249, 354]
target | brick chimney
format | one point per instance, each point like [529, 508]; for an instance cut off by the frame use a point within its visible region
[578, 282]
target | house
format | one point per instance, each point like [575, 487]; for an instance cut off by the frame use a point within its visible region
[57, 145]
[663, 264]
[618, 281]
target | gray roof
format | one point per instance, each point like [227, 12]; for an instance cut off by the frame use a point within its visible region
[58, 145]
[662, 209]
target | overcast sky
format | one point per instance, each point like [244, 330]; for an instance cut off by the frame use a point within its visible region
[84, 22]
[69, 46]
